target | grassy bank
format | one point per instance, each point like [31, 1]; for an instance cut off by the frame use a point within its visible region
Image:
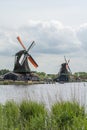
[11, 82]
[34, 116]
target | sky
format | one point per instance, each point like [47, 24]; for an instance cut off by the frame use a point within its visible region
[59, 28]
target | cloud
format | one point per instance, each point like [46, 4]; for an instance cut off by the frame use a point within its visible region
[51, 38]
[82, 35]
[53, 41]
[7, 42]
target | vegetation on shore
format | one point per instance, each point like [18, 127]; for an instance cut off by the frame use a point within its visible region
[4, 71]
[11, 82]
[77, 76]
[30, 115]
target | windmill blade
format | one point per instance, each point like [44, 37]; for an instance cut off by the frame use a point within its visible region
[65, 59]
[69, 69]
[68, 61]
[18, 38]
[24, 56]
[32, 44]
[22, 59]
[32, 61]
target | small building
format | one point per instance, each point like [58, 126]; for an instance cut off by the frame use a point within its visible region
[10, 76]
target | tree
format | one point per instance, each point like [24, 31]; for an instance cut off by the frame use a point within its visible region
[3, 71]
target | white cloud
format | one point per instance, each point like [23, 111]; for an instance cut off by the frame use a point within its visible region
[82, 35]
[52, 37]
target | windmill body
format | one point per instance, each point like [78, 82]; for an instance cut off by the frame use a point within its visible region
[64, 73]
[22, 69]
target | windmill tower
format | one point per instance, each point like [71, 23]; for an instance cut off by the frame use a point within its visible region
[65, 71]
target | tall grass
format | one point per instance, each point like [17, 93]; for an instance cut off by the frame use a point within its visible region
[34, 116]
[68, 115]
[10, 114]
[26, 116]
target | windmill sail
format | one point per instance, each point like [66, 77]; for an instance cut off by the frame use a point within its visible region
[32, 61]
[26, 55]
[21, 59]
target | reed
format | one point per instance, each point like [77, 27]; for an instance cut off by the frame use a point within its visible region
[9, 116]
[68, 115]
[32, 115]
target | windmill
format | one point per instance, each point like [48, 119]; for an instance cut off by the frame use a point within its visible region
[22, 57]
[21, 69]
[65, 71]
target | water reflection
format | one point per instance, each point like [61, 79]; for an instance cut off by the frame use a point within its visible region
[45, 93]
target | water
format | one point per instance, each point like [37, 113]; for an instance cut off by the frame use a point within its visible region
[45, 93]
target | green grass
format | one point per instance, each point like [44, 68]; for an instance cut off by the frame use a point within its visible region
[68, 115]
[11, 82]
[30, 115]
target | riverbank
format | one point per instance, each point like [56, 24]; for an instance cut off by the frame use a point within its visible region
[11, 82]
